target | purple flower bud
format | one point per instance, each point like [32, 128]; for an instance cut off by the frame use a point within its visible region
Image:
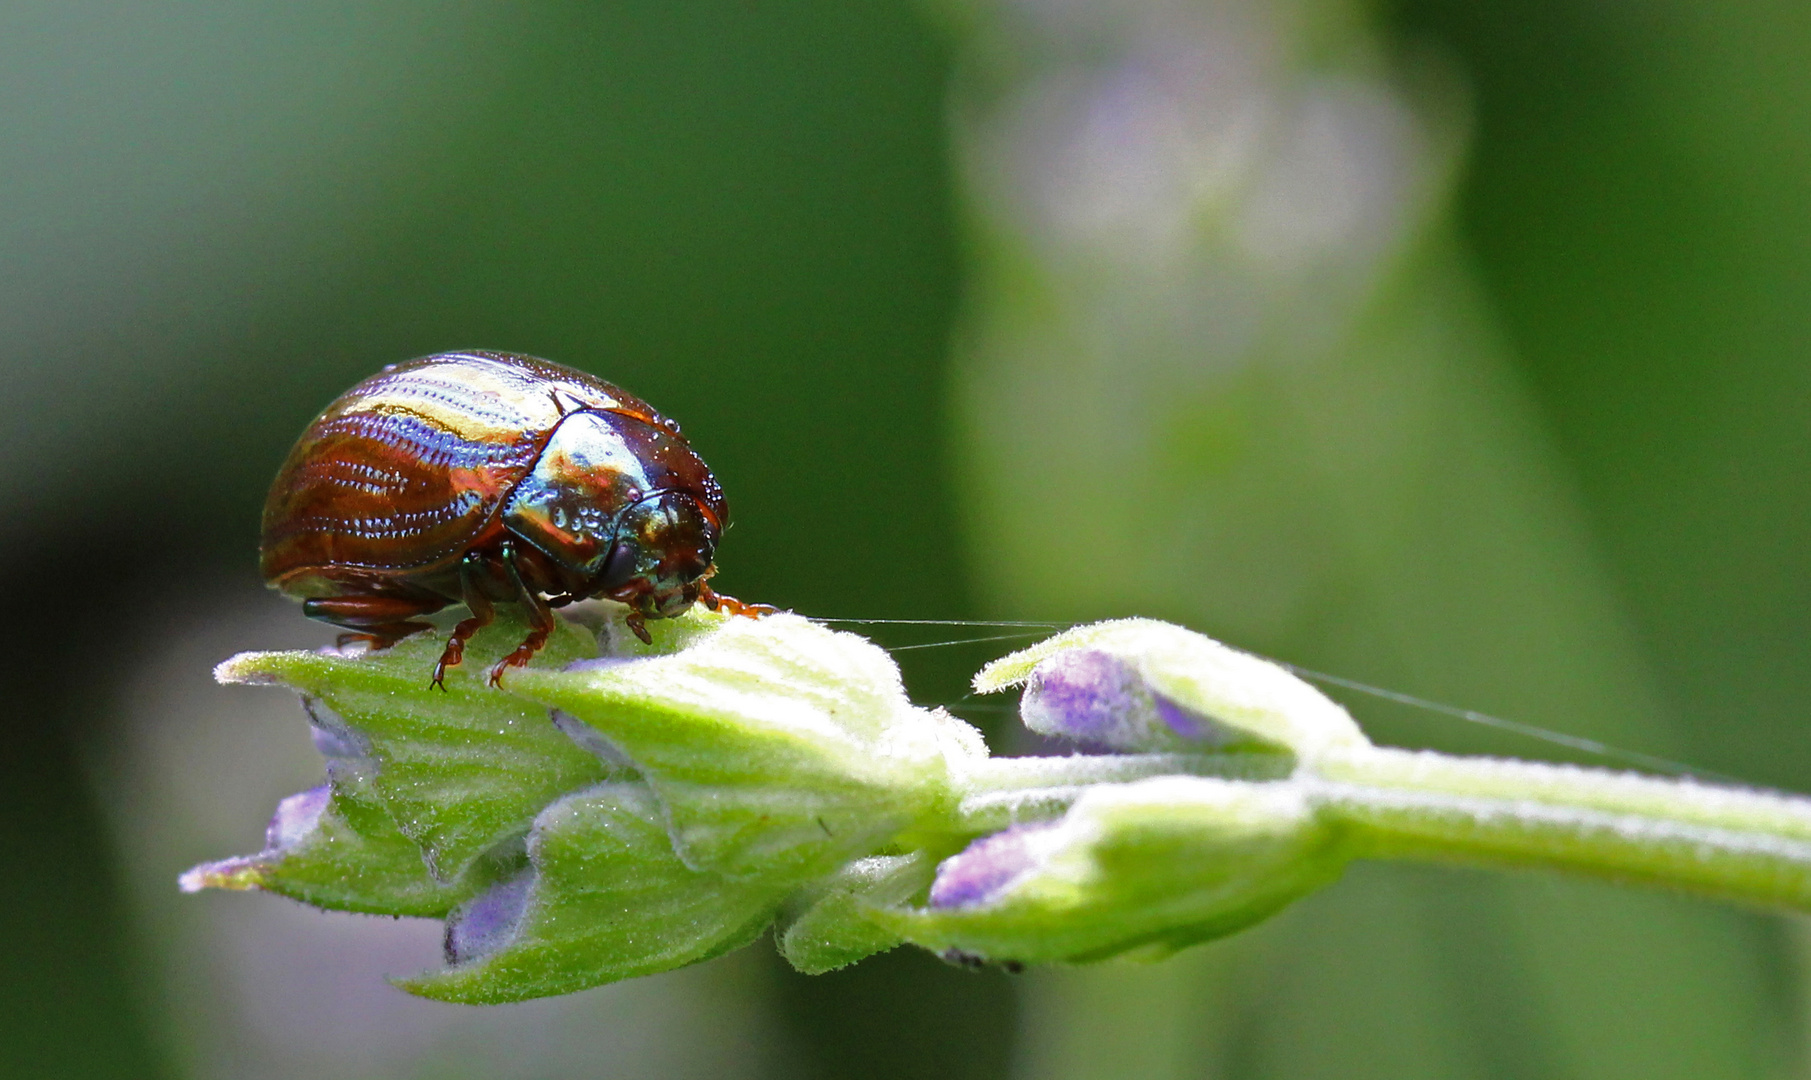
[489, 920]
[1084, 694]
[1189, 725]
[296, 817]
[987, 867]
[1093, 696]
[333, 737]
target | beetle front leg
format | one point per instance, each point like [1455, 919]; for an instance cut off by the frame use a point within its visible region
[471, 590]
[729, 605]
[540, 621]
[638, 625]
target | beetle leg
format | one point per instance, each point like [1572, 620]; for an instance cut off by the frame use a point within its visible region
[639, 626]
[471, 590]
[716, 601]
[381, 620]
[540, 620]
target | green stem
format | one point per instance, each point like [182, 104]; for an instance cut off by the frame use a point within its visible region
[1732, 843]
[998, 792]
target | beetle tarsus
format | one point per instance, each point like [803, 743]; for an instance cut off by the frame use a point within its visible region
[519, 658]
[524, 652]
[729, 605]
[639, 627]
[449, 657]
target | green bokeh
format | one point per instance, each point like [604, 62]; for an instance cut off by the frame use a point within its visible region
[217, 218]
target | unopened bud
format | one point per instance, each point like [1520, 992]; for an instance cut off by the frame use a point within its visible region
[1141, 685]
[1146, 867]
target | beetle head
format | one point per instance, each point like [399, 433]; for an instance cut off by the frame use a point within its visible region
[662, 555]
[625, 508]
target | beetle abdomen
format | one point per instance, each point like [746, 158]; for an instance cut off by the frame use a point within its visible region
[377, 487]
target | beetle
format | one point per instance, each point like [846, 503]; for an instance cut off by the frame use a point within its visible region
[477, 478]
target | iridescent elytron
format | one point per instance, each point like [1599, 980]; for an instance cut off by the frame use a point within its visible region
[482, 477]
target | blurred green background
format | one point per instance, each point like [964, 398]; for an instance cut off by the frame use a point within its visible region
[1463, 348]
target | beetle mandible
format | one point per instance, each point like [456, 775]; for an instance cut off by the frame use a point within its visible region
[483, 477]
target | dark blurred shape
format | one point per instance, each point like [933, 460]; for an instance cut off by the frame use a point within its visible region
[906, 1014]
[68, 1006]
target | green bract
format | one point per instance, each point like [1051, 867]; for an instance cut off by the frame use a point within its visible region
[604, 897]
[835, 922]
[459, 771]
[778, 748]
[622, 808]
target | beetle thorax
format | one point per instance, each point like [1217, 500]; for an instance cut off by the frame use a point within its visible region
[606, 499]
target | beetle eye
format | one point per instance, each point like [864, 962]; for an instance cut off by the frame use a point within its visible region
[619, 566]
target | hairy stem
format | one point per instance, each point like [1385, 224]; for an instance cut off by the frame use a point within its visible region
[998, 792]
[1731, 843]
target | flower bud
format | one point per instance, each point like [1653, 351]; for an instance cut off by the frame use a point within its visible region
[1141, 685]
[1143, 868]
[989, 866]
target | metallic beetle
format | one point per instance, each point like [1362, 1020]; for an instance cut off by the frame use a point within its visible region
[481, 477]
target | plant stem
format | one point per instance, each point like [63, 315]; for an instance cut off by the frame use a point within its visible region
[1002, 791]
[1732, 843]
